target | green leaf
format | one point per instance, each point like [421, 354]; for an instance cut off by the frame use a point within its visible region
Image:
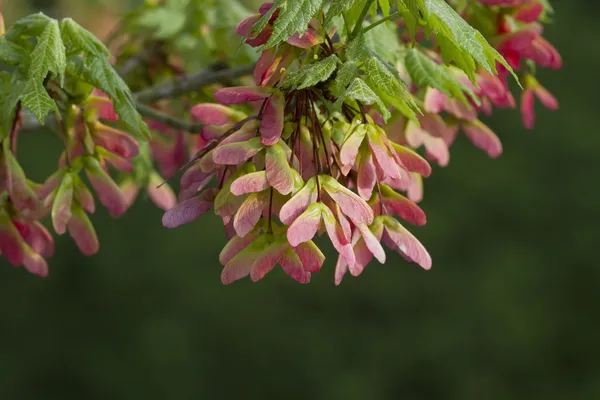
[311, 74]
[459, 42]
[360, 91]
[386, 83]
[11, 88]
[11, 53]
[345, 75]
[383, 41]
[406, 107]
[30, 26]
[382, 78]
[48, 55]
[385, 7]
[427, 73]
[99, 73]
[391, 89]
[229, 13]
[77, 38]
[294, 17]
[338, 7]
[357, 49]
[36, 99]
[165, 22]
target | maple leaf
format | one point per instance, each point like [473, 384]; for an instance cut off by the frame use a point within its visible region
[459, 42]
[311, 74]
[294, 17]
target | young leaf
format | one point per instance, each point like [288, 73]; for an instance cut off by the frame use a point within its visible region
[360, 91]
[310, 75]
[427, 73]
[294, 17]
[32, 25]
[48, 55]
[11, 89]
[98, 72]
[459, 42]
[357, 49]
[37, 100]
[382, 78]
[345, 74]
[79, 39]
[165, 22]
[338, 7]
[383, 41]
[385, 7]
[11, 53]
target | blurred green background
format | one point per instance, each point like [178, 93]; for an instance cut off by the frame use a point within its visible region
[509, 311]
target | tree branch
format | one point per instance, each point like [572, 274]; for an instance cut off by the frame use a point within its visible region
[191, 83]
[29, 121]
[167, 120]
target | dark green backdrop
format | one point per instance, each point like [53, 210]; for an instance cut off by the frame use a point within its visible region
[509, 311]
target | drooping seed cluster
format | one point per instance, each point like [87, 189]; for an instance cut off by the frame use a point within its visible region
[281, 164]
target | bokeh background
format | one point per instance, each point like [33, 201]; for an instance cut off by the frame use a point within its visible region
[509, 311]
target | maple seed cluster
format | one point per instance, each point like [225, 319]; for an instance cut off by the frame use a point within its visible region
[320, 151]
[285, 174]
[86, 122]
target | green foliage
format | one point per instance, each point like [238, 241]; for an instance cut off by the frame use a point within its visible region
[11, 90]
[37, 100]
[383, 41]
[381, 77]
[98, 72]
[30, 26]
[338, 7]
[459, 42]
[311, 74]
[361, 92]
[167, 21]
[427, 73]
[78, 40]
[63, 53]
[385, 7]
[294, 17]
[11, 53]
[48, 56]
[345, 74]
[173, 27]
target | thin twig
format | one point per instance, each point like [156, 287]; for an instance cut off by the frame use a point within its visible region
[167, 120]
[191, 83]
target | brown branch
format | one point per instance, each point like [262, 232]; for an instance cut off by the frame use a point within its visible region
[191, 83]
